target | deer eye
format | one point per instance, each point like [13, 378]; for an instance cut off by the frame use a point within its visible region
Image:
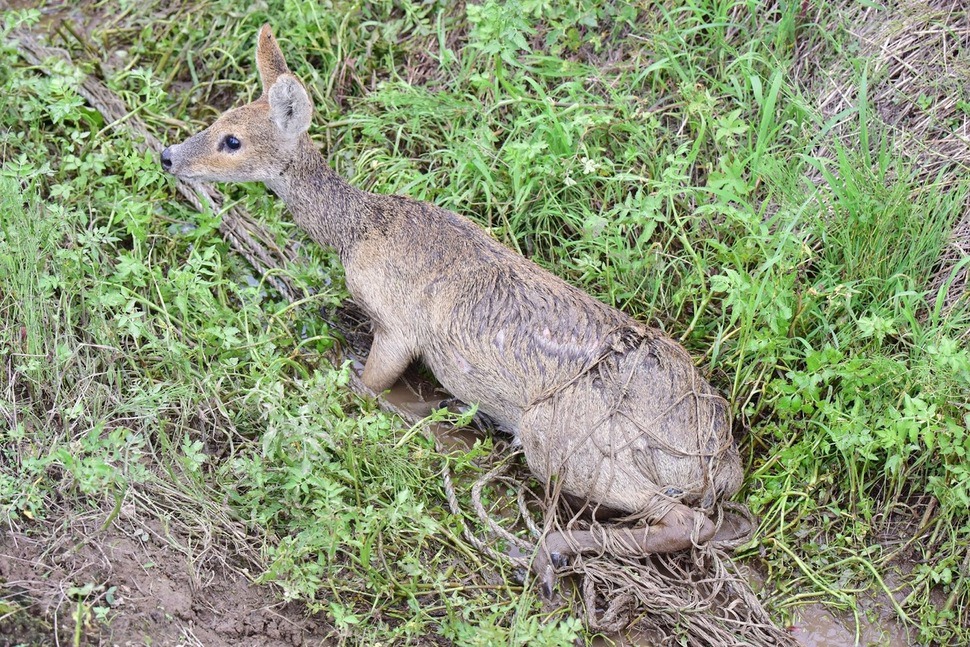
[230, 142]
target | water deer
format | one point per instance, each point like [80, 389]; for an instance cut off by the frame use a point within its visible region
[607, 410]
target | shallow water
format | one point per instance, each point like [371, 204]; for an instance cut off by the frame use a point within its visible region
[405, 397]
[816, 626]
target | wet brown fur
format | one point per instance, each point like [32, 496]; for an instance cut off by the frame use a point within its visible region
[597, 399]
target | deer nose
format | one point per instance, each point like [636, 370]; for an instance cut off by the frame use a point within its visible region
[166, 158]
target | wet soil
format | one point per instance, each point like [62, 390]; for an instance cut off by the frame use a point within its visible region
[114, 588]
[816, 626]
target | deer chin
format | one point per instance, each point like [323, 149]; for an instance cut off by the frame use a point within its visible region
[189, 176]
[192, 178]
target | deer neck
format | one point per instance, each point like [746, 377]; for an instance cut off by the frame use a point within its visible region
[323, 204]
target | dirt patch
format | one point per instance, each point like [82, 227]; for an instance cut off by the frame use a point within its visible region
[137, 586]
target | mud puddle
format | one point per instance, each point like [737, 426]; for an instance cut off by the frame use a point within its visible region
[816, 626]
[406, 395]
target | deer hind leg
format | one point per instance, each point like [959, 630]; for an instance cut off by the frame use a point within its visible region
[672, 532]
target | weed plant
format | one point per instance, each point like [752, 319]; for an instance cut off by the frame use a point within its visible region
[660, 156]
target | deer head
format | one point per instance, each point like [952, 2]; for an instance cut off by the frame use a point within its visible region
[256, 142]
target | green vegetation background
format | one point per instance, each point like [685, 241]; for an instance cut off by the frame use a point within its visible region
[666, 158]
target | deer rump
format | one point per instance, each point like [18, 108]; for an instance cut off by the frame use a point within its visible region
[637, 431]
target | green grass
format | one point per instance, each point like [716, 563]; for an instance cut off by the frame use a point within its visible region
[661, 157]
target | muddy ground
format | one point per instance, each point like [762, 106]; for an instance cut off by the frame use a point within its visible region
[152, 592]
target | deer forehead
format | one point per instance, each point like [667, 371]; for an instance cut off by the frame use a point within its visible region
[251, 119]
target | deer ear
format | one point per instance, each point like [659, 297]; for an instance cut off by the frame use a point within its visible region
[290, 107]
[269, 58]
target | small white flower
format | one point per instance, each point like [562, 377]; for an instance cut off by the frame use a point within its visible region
[589, 166]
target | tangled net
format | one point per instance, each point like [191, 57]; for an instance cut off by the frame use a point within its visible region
[692, 597]
[695, 597]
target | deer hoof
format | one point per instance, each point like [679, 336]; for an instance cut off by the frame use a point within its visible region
[559, 560]
[548, 558]
[548, 582]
